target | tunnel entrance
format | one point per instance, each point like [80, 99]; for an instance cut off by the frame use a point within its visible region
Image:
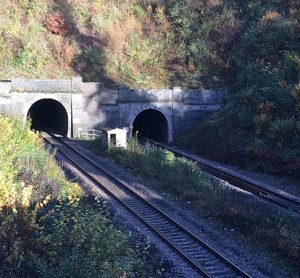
[49, 114]
[151, 124]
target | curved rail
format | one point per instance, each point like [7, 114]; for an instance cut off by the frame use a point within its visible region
[242, 183]
[207, 261]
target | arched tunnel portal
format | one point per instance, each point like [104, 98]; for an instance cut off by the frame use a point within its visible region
[152, 124]
[49, 114]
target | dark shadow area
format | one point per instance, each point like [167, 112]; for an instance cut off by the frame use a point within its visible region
[49, 114]
[151, 124]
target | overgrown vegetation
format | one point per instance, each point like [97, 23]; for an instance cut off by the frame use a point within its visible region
[257, 46]
[49, 227]
[275, 229]
[115, 42]
[248, 48]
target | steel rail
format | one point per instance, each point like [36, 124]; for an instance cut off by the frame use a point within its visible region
[266, 194]
[134, 209]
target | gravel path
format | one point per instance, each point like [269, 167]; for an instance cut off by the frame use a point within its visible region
[290, 185]
[239, 249]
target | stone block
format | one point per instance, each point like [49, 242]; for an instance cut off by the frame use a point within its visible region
[5, 106]
[202, 97]
[76, 84]
[193, 115]
[160, 95]
[108, 97]
[132, 96]
[177, 94]
[5, 88]
[17, 84]
[91, 88]
[96, 93]
[143, 96]
[46, 86]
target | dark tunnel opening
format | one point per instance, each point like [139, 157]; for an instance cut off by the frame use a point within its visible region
[49, 114]
[151, 124]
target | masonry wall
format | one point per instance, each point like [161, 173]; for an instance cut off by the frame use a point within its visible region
[89, 105]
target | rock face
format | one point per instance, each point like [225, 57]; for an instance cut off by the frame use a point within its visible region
[88, 105]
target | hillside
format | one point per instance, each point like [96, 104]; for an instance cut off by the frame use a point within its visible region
[249, 48]
[259, 126]
[129, 43]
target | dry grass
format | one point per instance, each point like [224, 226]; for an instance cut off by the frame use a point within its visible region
[47, 39]
[63, 51]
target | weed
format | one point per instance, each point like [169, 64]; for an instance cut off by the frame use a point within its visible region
[184, 180]
[49, 227]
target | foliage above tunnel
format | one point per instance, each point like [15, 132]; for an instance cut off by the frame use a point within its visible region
[115, 42]
[141, 43]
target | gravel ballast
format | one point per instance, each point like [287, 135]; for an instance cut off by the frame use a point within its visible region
[232, 245]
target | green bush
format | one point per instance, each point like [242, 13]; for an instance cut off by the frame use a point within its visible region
[79, 241]
[157, 164]
[49, 227]
[254, 54]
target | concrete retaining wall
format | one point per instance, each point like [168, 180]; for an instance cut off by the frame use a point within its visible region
[89, 105]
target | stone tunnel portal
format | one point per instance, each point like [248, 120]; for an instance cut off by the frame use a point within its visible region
[49, 114]
[152, 124]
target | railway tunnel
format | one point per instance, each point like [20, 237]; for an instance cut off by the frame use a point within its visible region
[49, 114]
[152, 124]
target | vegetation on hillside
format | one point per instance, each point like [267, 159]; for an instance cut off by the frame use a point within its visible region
[114, 42]
[250, 48]
[260, 49]
[49, 227]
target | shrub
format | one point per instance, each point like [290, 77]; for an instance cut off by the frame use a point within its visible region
[49, 227]
[282, 131]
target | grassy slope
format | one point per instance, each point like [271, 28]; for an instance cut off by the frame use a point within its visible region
[49, 227]
[115, 42]
[276, 230]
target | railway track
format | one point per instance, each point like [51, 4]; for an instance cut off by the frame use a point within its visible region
[281, 199]
[200, 256]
